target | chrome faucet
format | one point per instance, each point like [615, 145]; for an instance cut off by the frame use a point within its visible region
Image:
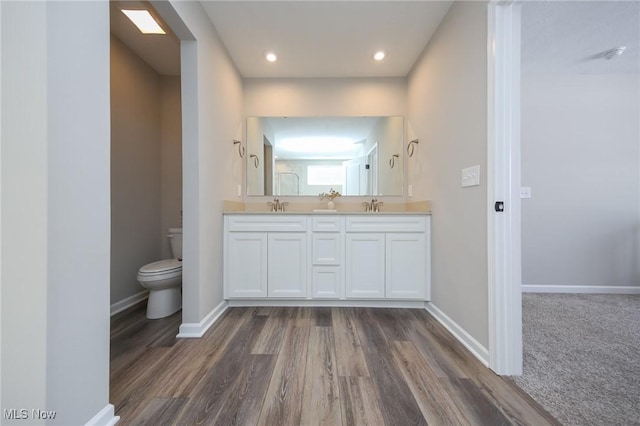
[373, 206]
[276, 205]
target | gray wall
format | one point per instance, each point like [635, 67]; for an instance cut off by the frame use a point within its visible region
[581, 157]
[447, 104]
[264, 97]
[135, 169]
[55, 208]
[146, 166]
[24, 205]
[171, 158]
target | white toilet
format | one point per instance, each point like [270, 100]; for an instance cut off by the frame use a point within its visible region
[164, 280]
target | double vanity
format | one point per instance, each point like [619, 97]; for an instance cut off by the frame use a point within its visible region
[351, 259]
[308, 257]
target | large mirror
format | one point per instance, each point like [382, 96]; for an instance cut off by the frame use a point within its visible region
[309, 155]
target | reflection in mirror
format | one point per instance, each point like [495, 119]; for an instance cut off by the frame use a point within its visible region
[310, 155]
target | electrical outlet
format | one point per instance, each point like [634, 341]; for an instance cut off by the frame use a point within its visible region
[410, 190]
[239, 190]
[525, 192]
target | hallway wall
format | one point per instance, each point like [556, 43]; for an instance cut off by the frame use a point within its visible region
[581, 157]
[55, 210]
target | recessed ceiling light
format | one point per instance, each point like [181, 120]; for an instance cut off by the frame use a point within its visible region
[144, 21]
[271, 57]
[379, 55]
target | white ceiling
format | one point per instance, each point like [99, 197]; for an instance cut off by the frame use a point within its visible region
[325, 38]
[570, 36]
[336, 38]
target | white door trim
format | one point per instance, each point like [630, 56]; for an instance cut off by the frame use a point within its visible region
[503, 184]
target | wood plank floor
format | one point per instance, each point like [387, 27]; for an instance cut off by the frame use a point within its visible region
[307, 366]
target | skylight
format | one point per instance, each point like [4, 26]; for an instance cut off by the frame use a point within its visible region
[144, 21]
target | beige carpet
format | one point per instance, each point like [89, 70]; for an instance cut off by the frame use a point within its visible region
[582, 357]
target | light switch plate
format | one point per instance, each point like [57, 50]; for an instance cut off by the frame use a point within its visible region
[525, 192]
[471, 176]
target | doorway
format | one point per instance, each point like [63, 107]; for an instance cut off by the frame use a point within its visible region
[146, 152]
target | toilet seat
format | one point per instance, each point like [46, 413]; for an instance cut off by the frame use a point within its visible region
[161, 267]
[160, 270]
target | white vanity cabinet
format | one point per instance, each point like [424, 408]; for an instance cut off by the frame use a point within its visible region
[347, 257]
[265, 256]
[388, 257]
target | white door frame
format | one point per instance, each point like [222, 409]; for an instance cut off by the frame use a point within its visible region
[503, 184]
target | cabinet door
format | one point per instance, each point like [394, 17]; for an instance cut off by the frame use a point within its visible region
[246, 272]
[365, 266]
[406, 266]
[287, 264]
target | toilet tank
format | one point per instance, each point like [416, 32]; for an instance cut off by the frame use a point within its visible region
[175, 239]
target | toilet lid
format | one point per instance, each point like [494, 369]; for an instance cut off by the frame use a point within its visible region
[161, 266]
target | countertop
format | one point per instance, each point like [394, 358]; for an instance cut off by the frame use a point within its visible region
[324, 213]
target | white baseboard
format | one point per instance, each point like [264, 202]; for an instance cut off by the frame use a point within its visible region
[105, 417]
[192, 330]
[331, 303]
[459, 333]
[129, 302]
[600, 289]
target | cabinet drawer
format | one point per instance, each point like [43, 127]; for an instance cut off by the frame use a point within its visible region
[327, 282]
[386, 223]
[266, 223]
[327, 224]
[326, 249]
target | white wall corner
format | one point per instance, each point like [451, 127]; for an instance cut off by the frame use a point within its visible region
[460, 334]
[105, 417]
[129, 302]
[197, 330]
